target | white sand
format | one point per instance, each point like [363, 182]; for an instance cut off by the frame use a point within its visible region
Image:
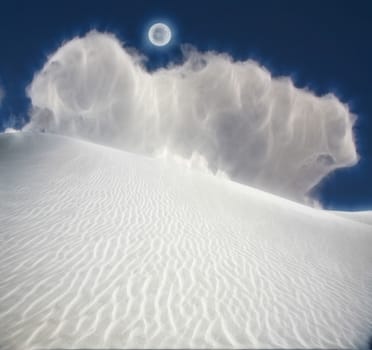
[101, 248]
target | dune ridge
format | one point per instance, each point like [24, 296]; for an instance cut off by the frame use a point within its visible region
[103, 248]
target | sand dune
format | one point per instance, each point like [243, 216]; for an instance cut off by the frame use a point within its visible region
[361, 216]
[102, 248]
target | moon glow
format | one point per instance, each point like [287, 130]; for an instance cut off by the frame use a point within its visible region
[159, 34]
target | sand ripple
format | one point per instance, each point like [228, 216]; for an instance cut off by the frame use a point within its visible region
[100, 248]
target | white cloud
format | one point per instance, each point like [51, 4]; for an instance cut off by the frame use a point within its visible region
[235, 116]
[10, 131]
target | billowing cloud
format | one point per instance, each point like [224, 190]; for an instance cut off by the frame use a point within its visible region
[233, 115]
[10, 131]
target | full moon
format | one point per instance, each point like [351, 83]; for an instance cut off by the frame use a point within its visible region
[160, 34]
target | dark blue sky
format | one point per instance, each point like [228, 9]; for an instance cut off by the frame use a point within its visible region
[323, 45]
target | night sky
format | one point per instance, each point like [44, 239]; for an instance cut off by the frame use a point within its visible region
[325, 46]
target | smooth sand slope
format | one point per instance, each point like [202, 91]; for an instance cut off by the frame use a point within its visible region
[101, 248]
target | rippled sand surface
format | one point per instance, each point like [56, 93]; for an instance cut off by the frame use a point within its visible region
[102, 248]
